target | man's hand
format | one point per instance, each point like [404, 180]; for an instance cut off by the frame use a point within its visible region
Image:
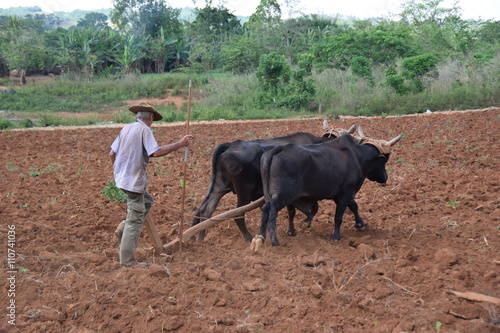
[112, 155]
[186, 140]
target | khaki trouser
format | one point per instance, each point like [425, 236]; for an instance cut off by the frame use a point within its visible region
[138, 206]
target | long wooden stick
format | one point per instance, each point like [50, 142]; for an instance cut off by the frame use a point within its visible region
[184, 171]
[472, 296]
[230, 214]
[152, 232]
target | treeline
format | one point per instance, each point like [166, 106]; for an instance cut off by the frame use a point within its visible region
[284, 55]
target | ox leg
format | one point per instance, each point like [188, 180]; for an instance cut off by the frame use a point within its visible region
[206, 210]
[260, 238]
[240, 222]
[339, 213]
[271, 223]
[359, 223]
[291, 216]
[311, 214]
[268, 222]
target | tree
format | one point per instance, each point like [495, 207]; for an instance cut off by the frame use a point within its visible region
[383, 43]
[299, 92]
[438, 29]
[415, 68]
[267, 14]
[41, 22]
[241, 54]
[93, 20]
[360, 66]
[145, 17]
[22, 55]
[395, 81]
[273, 72]
[215, 24]
[296, 35]
[280, 85]
[428, 12]
[211, 28]
[130, 53]
[178, 52]
[263, 25]
[168, 52]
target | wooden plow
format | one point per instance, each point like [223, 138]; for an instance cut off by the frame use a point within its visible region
[176, 244]
[230, 214]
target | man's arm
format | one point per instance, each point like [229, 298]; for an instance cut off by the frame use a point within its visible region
[164, 150]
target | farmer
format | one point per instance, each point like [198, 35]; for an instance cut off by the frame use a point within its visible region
[130, 153]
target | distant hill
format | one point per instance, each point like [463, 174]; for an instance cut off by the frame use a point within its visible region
[67, 18]
[71, 18]
[20, 11]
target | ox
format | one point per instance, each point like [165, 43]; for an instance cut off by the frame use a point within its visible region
[236, 168]
[301, 175]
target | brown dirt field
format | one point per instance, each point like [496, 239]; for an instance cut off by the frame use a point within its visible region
[396, 276]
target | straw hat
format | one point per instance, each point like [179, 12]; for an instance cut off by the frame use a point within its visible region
[145, 106]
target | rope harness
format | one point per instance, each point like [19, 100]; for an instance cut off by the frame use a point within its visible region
[383, 146]
[333, 132]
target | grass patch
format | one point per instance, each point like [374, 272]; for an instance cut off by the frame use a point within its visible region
[226, 96]
[51, 168]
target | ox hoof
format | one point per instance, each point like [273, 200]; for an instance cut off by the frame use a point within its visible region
[360, 227]
[257, 242]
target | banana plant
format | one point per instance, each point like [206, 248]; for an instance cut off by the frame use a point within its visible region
[130, 53]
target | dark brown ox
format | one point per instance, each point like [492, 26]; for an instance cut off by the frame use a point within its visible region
[236, 168]
[301, 175]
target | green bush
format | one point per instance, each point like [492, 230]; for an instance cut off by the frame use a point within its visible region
[273, 72]
[26, 123]
[360, 66]
[397, 82]
[419, 65]
[6, 124]
[113, 193]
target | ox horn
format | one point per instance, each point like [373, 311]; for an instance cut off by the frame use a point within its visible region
[360, 132]
[395, 140]
[325, 125]
[351, 130]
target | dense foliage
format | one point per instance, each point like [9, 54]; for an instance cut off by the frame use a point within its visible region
[283, 60]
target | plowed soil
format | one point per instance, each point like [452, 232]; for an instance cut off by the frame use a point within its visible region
[433, 230]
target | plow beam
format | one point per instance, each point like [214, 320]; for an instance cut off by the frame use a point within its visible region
[186, 235]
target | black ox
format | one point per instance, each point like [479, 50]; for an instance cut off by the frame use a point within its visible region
[301, 175]
[236, 168]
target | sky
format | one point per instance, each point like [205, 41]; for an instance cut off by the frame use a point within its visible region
[362, 9]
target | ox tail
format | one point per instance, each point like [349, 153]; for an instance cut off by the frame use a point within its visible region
[216, 170]
[265, 167]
